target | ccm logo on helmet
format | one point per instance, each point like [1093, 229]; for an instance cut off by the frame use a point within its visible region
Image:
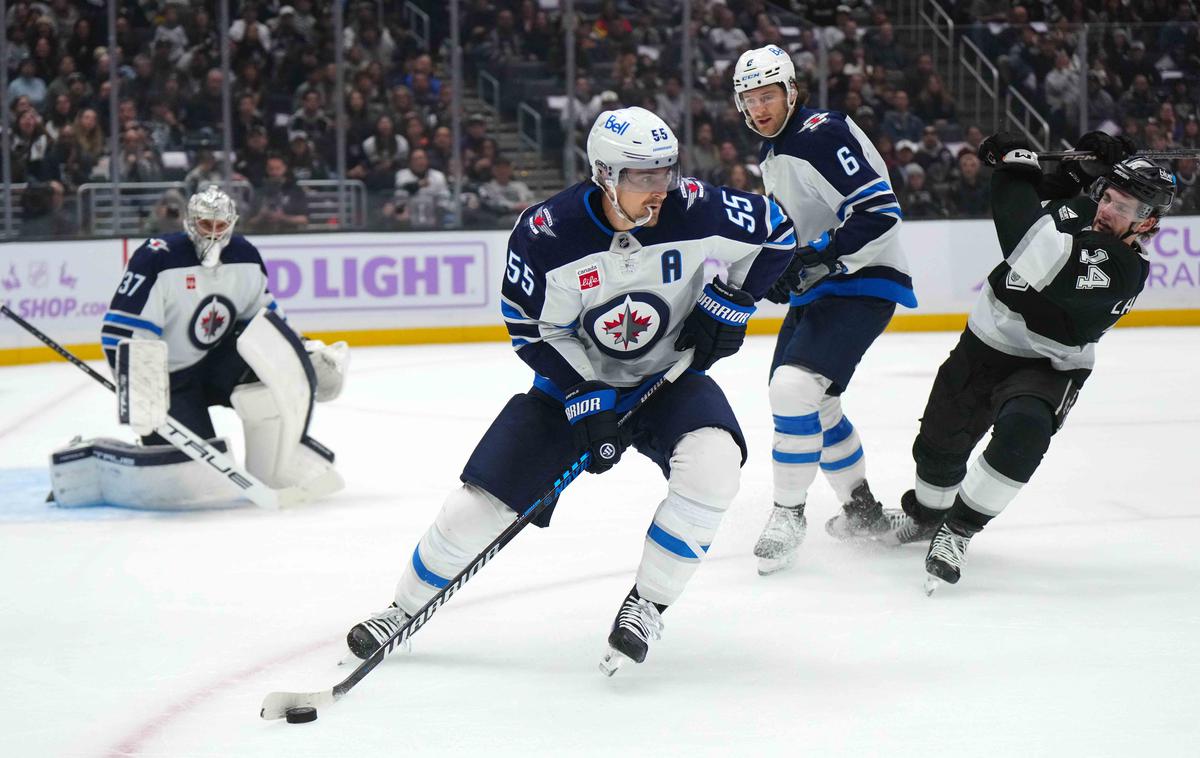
[613, 125]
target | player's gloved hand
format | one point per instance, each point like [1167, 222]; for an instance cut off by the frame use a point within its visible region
[591, 407]
[1108, 151]
[787, 283]
[716, 327]
[1006, 150]
[330, 362]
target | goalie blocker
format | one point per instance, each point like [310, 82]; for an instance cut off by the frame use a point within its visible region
[276, 411]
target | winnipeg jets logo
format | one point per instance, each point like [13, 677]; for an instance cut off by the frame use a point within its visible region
[628, 325]
[540, 222]
[157, 245]
[812, 122]
[691, 189]
[1065, 213]
[211, 321]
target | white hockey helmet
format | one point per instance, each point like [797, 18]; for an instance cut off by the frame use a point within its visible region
[632, 138]
[211, 215]
[758, 68]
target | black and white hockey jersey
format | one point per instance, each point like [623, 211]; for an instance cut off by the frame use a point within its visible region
[165, 294]
[1061, 285]
[583, 302]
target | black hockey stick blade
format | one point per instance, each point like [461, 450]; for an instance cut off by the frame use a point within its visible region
[276, 704]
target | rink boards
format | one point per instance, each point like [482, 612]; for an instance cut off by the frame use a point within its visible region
[431, 287]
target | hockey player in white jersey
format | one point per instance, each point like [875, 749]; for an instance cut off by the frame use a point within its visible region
[843, 286]
[194, 325]
[604, 287]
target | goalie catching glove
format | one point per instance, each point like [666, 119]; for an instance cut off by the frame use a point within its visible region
[330, 363]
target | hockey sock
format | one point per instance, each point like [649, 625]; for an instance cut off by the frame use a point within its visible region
[842, 457]
[1020, 437]
[470, 519]
[704, 479]
[938, 475]
[796, 395]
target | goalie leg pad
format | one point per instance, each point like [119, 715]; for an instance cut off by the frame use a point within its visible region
[105, 471]
[796, 395]
[469, 519]
[277, 410]
[705, 468]
[143, 384]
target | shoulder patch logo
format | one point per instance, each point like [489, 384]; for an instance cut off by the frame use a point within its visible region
[541, 222]
[691, 189]
[589, 277]
[1065, 213]
[157, 245]
[815, 120]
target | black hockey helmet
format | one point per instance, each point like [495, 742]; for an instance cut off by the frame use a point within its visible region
[1142, 179]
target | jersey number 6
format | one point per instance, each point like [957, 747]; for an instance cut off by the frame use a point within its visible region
[849, 162]
[519, 272]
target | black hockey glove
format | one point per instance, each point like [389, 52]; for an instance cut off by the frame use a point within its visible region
[1006, 150]
[1108, 151]
[591, 408]
[811, 263]
[716, 327]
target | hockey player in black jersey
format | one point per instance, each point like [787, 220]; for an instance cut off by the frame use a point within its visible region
[1073, 265]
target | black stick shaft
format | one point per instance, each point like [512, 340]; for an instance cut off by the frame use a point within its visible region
[1083, 155]
[50, 343]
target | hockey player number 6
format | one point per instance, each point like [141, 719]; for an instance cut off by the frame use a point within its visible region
[849, 163]
[519, 271]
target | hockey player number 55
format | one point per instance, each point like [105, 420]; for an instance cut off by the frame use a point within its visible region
[740, 211]
[519, 272]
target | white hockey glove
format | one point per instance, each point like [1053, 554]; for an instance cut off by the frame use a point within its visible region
[143, 384]
[331, 363]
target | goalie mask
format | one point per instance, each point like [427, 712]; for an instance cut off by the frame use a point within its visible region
[211, 215]
[762, 67]
[632, 138]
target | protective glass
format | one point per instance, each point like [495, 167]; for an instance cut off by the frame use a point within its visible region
[764, 97]
[662, 179]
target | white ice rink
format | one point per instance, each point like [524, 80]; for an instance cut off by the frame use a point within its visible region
[1074, 632]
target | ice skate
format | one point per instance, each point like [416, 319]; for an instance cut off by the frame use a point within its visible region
[945, 559]
[365, 638]
[862, 518]
[903, 529]
[637, 622]
[781, 537]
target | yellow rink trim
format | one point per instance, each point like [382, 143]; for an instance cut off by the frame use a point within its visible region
[924, 322]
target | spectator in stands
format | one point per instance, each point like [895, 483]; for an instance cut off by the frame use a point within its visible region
[669, 103]
[1102, 108]
[287, 35]
[416, 133]
[279, 205]
[866, 119]
[246, 116]
[1187, 201]
[1138, 102]
[403, 107]
[906, 152]
[610, 25]
[1061, 88]
[42, 211]
[916, 199]
[472, 141]
[504, 43]
[971, 191]
[205, 109]
[916, 77]
[705, 155]
[504, 197]
[249, 81]
[422, 65]
[900, 123]
[167, 215]
[163, 130]
[542, 37]
[81, 46]
[310, 118]
[252, 159]
[423, 93]
[61, 114]
[1136, 64]
[29, 147]
[28, 84]
[1191, 133]
[305, 21]
[304, 162]
[140, 161]
[934, 104]
[172, 32]
[730, 158]
[385, 153]
[360, 117]
[934, 157]
[1171, 126]
[883, 50]
[60, 85]
[421, 191]
[261, 34]
[206, 171]
[88, 137]
[726, 40]
[740, 178]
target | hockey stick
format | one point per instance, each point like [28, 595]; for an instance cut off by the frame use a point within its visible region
[277, 704]
[183, 438]
[1084, 155]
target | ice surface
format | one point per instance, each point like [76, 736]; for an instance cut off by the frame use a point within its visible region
[1074, 632]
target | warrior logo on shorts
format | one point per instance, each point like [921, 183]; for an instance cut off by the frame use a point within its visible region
[628, 325]
[211, 321]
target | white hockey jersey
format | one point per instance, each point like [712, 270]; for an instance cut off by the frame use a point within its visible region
[165, 294]
[827, 175]
[583, 302]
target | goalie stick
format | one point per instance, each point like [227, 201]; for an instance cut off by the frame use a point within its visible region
[276, 704]
[183, 438]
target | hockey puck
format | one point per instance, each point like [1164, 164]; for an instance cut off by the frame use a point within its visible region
[301, 715]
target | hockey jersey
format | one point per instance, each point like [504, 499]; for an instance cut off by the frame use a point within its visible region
[584, 302]
[1061, 285]
[165, 294]
[824, 171]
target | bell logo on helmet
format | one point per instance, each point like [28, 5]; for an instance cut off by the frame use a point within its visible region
[613, 125]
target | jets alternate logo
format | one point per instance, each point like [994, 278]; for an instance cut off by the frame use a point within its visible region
[540, 222]
[692, 189]
[157, 245]
[211, 322]
[628, 325]
[812, 122]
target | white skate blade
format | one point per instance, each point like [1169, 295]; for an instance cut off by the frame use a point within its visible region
[931, 584]
[768, 566]
[612, 660]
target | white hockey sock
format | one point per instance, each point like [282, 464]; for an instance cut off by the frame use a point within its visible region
[842, 457]
[987, 491]
[704, 480]
[469, 519]
[796, 395]
[932, 496]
